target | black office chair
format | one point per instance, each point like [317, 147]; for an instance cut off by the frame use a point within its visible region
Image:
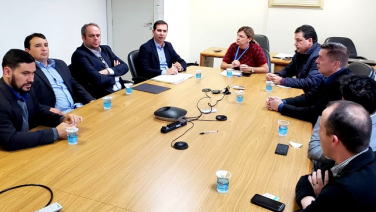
[263, 41]
[132, 58]
[348, 43]
[362, 69]
[267, 55]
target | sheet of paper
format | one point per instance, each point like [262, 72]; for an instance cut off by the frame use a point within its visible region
[282, 86]
[283, 55]
[172, 79]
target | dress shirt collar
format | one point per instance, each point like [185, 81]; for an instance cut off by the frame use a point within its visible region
[329, 79]
[339, 167]
[50, 62]
[22, 97]
[158, 46]
[95, 51]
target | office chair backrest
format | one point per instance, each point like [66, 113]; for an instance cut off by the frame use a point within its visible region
[362, 69]
[263, 41]
[346, 42]
[132, 58]
[267, 55]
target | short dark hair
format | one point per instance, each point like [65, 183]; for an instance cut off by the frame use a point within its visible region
[83, 29]
[28, 39]
[14, 57]
[308, 32]
[159, 22]
[337, 52]
[351, 123]
[359, 89]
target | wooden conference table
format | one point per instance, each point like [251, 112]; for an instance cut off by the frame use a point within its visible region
[206, 58]
[123, 163]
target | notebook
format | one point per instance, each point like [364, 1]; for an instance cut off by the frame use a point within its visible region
[150, 88]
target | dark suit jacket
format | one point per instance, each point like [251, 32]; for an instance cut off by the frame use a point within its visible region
[46, 95]
[309, 106]
[354, 190]
[304, 67]
[11, 137]
[85, 69]
[148, 60]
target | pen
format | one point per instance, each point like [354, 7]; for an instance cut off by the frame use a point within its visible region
[207, 132]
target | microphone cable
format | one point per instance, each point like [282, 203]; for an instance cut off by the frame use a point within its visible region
[25, 185]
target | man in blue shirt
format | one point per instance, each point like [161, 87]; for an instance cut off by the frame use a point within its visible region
[20, 110]
[157, 56]
[54, 86]
[332, 63]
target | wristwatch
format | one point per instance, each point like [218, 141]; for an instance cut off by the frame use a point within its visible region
[252, 70]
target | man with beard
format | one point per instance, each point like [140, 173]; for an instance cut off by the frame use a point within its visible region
[19, 109]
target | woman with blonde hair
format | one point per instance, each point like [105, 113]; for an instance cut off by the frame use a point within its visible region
[245, 54]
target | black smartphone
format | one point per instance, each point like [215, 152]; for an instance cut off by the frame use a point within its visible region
[267, 203]
[282, 149]
[216, 91]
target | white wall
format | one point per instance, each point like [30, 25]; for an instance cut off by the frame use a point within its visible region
[59, 20]
[194, 25]
[214, 23]
[178, 21]
[342, 18]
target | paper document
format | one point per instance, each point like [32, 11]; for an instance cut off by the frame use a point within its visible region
[282, 55]
[172, 79]
[282, 86]
[234, 73]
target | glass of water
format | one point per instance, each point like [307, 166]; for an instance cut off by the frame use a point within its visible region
[107, 102]
[223, 181]
[239, 96]
[128, 88]
[72, 135]
[283, 127]
[229, 72]
[269, 86]
[198, 74]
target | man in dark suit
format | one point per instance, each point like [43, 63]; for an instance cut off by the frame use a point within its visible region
[158, 57]
[95, 66]
[332, 63]
[348, 183]
[303, 64]
[20, 110]
[53, 84]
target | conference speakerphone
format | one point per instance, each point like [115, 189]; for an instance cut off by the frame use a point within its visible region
[170, 113]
